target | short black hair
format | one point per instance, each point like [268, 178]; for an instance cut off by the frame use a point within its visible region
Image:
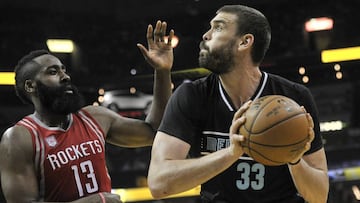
[22, 74]
[252, 21]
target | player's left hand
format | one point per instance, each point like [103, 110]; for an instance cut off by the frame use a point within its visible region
[311, 136]
[160, 52]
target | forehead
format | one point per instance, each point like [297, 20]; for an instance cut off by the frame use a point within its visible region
[47, 60]
[223, 17]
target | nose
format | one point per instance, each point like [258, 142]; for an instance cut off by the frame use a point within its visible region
[65, 77]
[206, 36]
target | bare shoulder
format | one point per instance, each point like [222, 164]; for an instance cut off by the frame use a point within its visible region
[16, 145]
[16, 135]
[99, 111]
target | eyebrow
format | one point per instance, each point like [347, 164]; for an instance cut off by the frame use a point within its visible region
[219, 21]
[56, 66]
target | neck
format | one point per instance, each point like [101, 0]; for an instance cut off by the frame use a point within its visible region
[241, 84]
[51, 120]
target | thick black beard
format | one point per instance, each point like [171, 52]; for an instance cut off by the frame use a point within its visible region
[57, 101]
[218, 61]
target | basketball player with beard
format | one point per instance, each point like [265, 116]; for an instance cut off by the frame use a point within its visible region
[198, 142]
[57, 154]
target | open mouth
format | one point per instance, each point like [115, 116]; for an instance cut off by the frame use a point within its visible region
[203, 53]
[69, 89]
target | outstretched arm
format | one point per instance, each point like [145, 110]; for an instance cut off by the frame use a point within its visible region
[160, 56]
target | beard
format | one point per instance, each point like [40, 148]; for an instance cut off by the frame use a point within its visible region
[58, 101]
[219, 60]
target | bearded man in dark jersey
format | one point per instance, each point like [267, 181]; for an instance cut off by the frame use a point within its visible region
[57, 154]
[198, 142]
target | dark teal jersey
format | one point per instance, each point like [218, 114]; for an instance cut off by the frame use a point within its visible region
[200, 113]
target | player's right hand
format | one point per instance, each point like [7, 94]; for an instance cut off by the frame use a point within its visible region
[237, 122]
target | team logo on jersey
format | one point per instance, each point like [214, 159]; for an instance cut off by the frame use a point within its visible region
[51, 141]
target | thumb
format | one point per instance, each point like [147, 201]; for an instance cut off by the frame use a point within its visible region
[143, 50]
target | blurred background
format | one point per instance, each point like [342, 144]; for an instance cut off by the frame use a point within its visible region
[108, 68]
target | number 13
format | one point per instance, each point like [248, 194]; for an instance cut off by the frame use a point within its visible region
[87, 168]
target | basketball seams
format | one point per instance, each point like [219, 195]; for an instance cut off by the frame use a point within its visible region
[259, 111]
[279, 122]
[257, 147]
[264, 157]
[255, 118]
[273, 162]
[278, 146]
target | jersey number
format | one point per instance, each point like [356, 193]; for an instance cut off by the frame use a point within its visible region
[246, 169]
[91, 185]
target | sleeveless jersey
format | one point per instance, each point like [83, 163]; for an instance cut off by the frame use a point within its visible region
[200, 113]
[70, 163]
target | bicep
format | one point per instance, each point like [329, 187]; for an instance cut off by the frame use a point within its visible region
[122, 131]
[18, 179]
[19, 186]
[167, 147]
[130, 132]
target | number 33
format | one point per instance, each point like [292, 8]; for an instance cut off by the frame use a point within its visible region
[246, 169]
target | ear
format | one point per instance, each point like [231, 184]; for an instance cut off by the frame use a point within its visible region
[30, 86]
[246, 41]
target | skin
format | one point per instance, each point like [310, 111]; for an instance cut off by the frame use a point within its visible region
[18, 176]
[170, 171]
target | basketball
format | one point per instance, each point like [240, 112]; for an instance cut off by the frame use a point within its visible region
[275, 130]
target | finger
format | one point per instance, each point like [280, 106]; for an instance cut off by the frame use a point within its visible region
[236, 124]
[311, 134]
[303, 108]
[238, 138]
[242, 109]
[157, 31]
[171, 35]
[310, 120]
[149, 35]
[163, 31]
[307, 147]
[143, 50]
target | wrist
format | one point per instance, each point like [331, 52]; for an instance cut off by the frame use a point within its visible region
[162, 70]
[295, 163]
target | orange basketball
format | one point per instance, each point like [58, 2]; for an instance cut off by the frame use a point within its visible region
[276, 130]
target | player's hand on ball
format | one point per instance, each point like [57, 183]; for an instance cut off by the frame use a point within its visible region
[310, 139]
[235, 137]
[160, 52]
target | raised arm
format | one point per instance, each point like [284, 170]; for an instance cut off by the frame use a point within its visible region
[160, 56]
[130, 132]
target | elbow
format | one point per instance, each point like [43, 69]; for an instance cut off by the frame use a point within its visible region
[158, 188]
